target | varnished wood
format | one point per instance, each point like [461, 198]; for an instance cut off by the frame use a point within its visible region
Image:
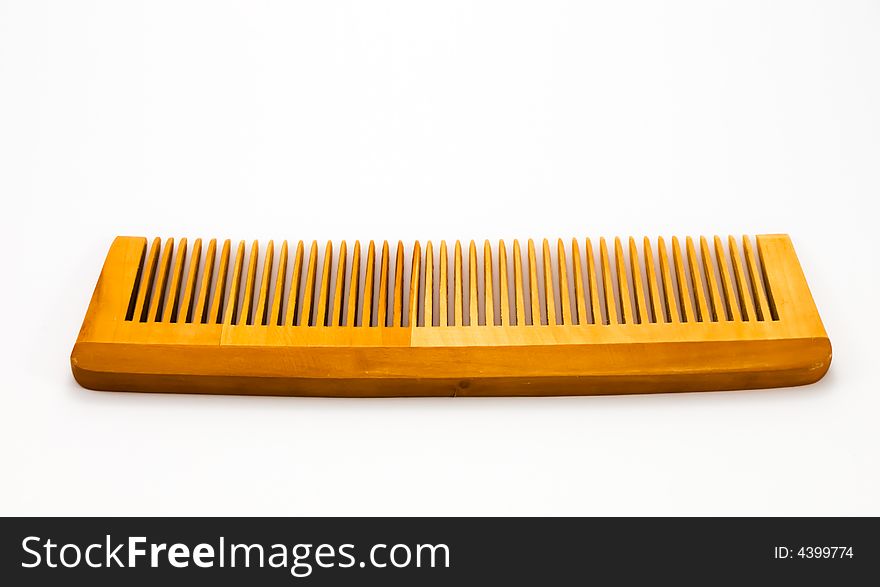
[503, 289]
[488, 285]
[354, 286]
[200, 313]
[219, 301]
[183, 312]
[429, 284]
[707, 319]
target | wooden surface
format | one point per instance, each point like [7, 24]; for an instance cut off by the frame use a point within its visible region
[555, 320]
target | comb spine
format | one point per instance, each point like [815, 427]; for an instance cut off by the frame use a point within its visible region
[276, 313]
[503, 293]
[414, 285]
[200, 314]
[261, 312]
[189, 285]
[169, 309]
[218, 304]
[354, 285]
[232, 303]
[488, 286]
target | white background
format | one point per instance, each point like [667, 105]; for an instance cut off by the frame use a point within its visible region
[435, 120]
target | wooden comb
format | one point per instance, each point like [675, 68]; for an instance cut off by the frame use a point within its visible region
[496, 321]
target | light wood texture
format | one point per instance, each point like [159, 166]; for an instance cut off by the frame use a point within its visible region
[704, 318]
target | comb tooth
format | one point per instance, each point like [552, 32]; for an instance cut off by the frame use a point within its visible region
[324, 291]
[354, 285]
[246, 314]
[414, 285]
[339, 289]
[219, 302]
[730, 305]
[184, 313]
[726, 283]
[200, 314]
[562, 266]
[295, 279]
[684, 298]
[636, 270]
[762, 308]
[503, 294]
[457, 288]
[383, 287]
[369, 280]
[765, 283]
[429, 284]
[534, 296]
[309, 293]
[622, 285]
[158, 299]
[397, 318]
[715, 302]
[607, 286]
[169, 309]
[666, 277]
[232, 303]
[146, 285]
[592, 276]
[654, 300]
[473, 304]
[578, 276]
[261, 313]
[746, 304]
[488, 289]
[444, 285]
[518, 285]
[275, 314]
[696, 281]
[549, 294]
